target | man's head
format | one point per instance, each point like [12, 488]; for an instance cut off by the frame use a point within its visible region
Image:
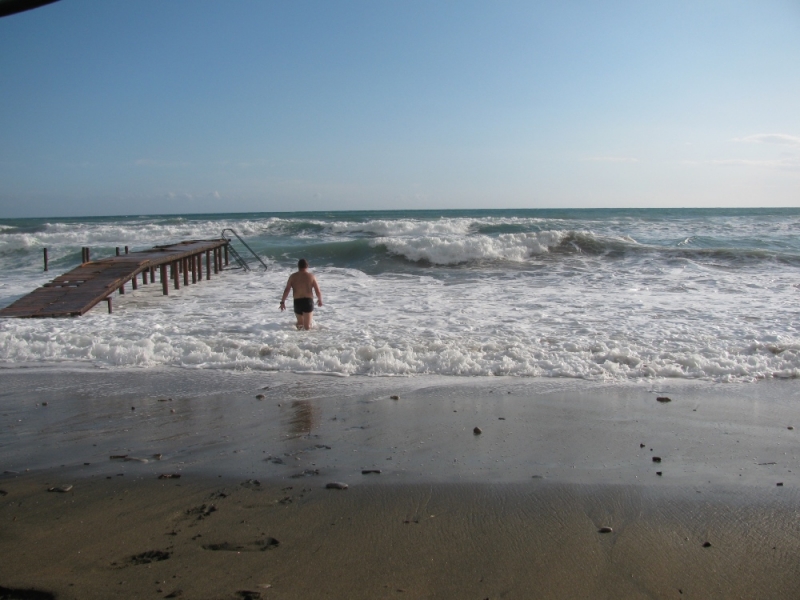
[302, 264]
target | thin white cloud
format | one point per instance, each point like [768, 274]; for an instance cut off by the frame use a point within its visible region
[149, 162]
[782, 163]
[771, 138]
[616, 159]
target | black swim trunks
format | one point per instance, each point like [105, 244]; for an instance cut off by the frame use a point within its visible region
[303, 305]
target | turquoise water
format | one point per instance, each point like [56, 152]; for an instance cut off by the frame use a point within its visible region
[608, 293]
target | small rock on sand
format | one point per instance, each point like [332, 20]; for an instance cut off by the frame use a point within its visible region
[790, 428]
[477, 431]
[44, 403]
[605, 530]
[3, 493]
[659, 473]
[664, 399]
[336, 485]
[706, 544]
[63, 489]
[779, 484]
[395, 397]
[657, 459]
[260, 396]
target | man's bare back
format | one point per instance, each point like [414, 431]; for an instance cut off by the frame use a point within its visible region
[303, 286]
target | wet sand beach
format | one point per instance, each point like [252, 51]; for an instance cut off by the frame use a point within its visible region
[432, 509]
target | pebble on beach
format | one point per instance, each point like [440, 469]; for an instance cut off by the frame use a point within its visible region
[395, 397]
[659, 473]
[45, 404]
[63, 489]
[707, 545]
[260, 396]
[605, 530]
[657, 459]
[477, 431]
[336, 485]
[790, 428]
[779, 484]
[664, 399]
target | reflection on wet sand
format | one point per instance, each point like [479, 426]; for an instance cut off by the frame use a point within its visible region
[302, 420]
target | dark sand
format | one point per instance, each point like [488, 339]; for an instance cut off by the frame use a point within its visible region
[514, 512]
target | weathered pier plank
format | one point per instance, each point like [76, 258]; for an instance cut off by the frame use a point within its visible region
[78, 291]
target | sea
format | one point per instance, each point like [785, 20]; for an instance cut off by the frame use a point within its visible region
[606, 294]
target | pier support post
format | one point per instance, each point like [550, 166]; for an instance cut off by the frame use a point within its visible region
[185, 266]
[193, 258]
[175, 275]
[134, 283]
[164, 280]
[109, 304]
[144, 277]
[126, 249]
[208, 265]
[45, 259]
[117, 249]
[216, 261]
[122, 290]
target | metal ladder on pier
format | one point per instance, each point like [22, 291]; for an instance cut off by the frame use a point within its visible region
[238, 257]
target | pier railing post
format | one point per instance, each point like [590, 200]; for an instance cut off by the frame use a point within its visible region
[164, 280]
[45, 259]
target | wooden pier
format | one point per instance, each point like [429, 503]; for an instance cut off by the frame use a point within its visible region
[75, 293]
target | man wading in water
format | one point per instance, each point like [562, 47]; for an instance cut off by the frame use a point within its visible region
[302, 284]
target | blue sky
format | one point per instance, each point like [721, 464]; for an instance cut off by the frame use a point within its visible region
[148, 106]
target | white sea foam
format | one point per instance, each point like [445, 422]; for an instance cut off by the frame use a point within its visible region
[391, 325]
[571, 313]
[514, 247]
